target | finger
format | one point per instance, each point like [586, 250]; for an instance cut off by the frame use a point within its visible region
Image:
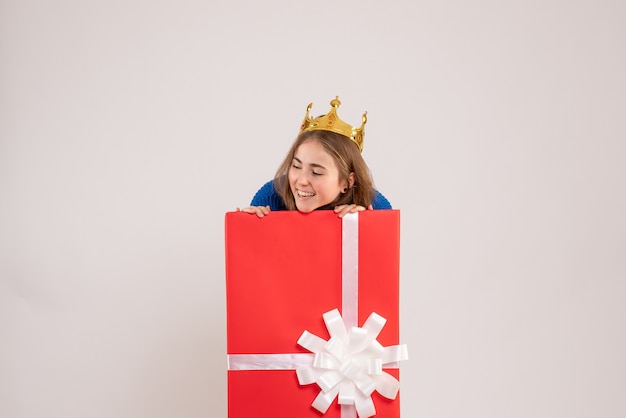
[261, 211]
[356, 208]
[344, 209]
[251, 209]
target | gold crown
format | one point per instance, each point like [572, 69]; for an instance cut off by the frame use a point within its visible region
[331, 122]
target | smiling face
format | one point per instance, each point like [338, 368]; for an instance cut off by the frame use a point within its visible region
[314, 177]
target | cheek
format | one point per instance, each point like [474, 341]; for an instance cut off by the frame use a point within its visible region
[291, 176]
[330, 187]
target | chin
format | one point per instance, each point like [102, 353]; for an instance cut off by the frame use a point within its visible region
[305, 210]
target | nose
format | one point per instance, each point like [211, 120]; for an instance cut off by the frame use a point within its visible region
[302, 179]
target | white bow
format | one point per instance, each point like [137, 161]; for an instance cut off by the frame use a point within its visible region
[350, 364]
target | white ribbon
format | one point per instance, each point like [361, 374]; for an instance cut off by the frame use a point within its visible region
[269, 361]
[349, 365]
[350, 269]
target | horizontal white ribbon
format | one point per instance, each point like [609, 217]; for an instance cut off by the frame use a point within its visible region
[269, 361]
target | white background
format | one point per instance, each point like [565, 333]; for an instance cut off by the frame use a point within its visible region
[129, 127]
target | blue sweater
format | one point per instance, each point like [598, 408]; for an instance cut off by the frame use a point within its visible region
[268, 196]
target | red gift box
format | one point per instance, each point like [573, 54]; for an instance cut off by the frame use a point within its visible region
[283, 272]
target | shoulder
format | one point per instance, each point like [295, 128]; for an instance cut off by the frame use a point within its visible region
[268, 196]
[267, 188]
[380, 201]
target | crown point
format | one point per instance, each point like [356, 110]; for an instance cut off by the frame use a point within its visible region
[335, 102]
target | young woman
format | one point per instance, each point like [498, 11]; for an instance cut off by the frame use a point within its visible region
[323, 169]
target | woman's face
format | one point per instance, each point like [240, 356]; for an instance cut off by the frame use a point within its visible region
[314, 177]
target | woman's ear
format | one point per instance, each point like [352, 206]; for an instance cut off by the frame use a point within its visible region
[351, 180]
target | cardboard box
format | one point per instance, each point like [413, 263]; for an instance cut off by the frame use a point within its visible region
[283, 272]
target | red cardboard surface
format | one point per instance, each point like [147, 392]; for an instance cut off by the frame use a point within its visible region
[277, 394]
[283, 272]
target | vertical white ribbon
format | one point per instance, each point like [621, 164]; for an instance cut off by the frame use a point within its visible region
[350, 269]
[350, 282]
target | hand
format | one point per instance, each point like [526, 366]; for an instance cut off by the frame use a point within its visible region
[260, 211]
[341, 210]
